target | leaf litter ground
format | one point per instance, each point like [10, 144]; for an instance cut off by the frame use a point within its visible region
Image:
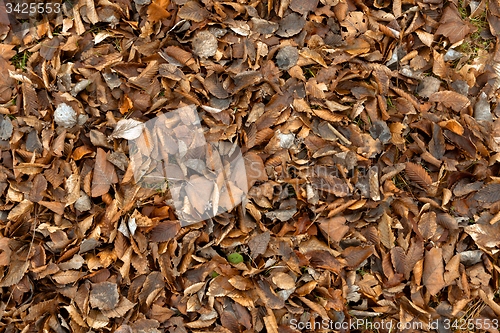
[370, 135]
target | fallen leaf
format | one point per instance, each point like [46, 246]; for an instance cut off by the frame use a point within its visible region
[457, 102]
[104, 296]
[129, 129]
[433, 274]
[104, 174]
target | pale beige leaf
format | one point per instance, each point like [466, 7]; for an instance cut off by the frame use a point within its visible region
[96, 319]
[283, 281]
[72, 189]
[67, 277]
[129, 129]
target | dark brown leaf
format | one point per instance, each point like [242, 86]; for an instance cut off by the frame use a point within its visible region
[165, 231]
[489, 193]
[417, 174]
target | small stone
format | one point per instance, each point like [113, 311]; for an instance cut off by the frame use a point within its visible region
[452, 55]
[65, 116]
[381, 131]
[287, 57]
[83, 203]
[6, 128]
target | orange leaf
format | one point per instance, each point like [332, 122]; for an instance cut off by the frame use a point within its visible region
[157, 11]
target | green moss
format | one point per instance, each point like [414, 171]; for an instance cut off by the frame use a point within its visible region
[309, 72]
[20, 60]
[389, 102]
[474, 42]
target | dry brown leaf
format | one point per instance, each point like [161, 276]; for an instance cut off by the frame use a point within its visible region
[104, 296]
[192, 11]
[438, 66]
[17, 269]
[104, 174]
[258, 244]
[485, 235]
[56, 207]
[489, 193]
[165, 231]
[433, 274]
[357, 46]
[385, 231]
[38, 189]
[355, 255]
[22, 208]
[268, 295]
[254, 167]
[452, 26]
[398, 258]
[303, 7]
[418, 174]
[75, 315]
[283, 281]
[427, 225]
[67, 277]
[457, 102]
[157, 10]
[270, 322]
[5, 251]
[334, 227]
